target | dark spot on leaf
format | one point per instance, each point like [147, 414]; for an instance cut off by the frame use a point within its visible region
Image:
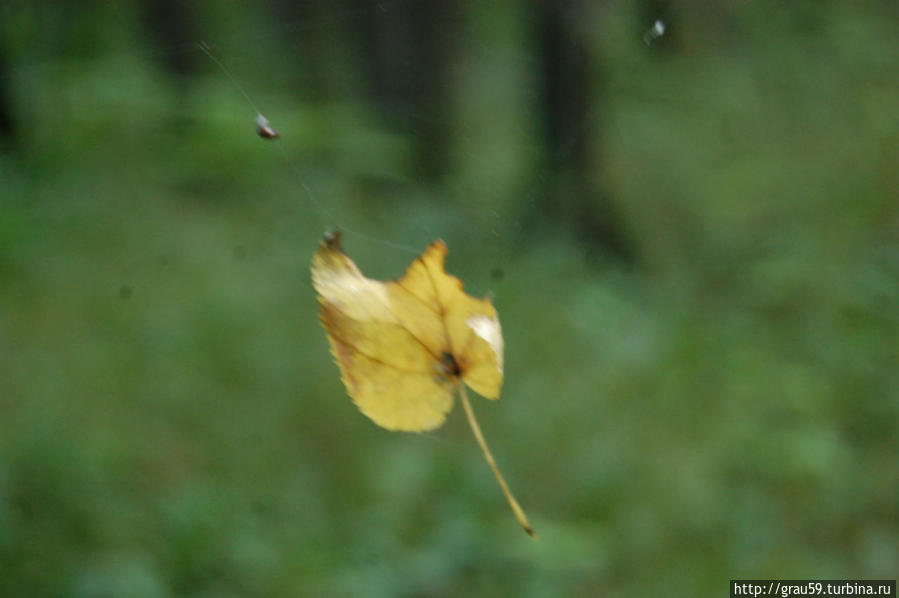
[449, 365]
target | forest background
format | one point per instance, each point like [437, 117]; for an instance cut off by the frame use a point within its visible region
[692, 241]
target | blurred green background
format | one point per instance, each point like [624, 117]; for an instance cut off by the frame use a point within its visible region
[693, 245]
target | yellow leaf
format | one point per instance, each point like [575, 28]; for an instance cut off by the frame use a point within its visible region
[405, 347]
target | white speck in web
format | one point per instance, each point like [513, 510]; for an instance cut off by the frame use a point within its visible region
[657, 30]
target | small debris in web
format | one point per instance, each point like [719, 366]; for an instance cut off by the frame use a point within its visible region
[264, 128]
[657, 30]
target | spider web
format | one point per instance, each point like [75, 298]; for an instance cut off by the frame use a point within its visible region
[374, 172]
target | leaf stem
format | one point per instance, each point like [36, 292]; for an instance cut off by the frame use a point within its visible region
[476, 429]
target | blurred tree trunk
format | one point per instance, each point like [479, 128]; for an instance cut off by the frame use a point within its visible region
[307, 37]
[7, 121]
[405, 54]
[172, 23]
[568, 94]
